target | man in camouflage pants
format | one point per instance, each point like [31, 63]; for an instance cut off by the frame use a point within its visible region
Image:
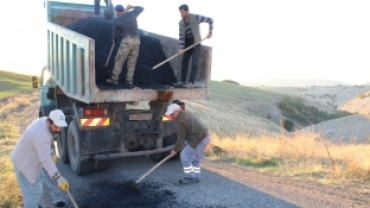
[126, 23]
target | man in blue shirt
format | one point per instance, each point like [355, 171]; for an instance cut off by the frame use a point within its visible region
[125, 26]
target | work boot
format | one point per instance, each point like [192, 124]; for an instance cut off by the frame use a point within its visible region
[131, 86]
[189, 85]
[112, 82]
[179, 84]
[187, 180]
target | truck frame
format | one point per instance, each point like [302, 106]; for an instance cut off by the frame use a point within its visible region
[102, 125]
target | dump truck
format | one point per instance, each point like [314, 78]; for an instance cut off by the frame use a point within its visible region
[105, 124]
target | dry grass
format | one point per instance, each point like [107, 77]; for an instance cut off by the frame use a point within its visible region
[13, 105]
[306, 155]
[9, 134]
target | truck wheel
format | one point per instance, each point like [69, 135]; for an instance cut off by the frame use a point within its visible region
[74, 150]
[63, 145]
[167, 141]
[101, 165]
[157, 157]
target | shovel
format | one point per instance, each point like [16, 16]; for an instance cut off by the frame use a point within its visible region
[135, 185]
[108, 13]
[176, 55]
[67, 191]
[72, 199]
[110, 53]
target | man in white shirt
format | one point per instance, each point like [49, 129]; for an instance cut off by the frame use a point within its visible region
[33, 152]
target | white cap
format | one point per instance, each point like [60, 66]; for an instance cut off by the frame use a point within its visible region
[172, 108]
[58, 118]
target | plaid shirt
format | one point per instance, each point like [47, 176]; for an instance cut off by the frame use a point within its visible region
[189, 33]
[126, 24]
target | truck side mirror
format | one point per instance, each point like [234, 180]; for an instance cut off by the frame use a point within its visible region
[35, 82]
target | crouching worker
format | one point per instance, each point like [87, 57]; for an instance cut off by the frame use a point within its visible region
[33, 152]
[191, 129]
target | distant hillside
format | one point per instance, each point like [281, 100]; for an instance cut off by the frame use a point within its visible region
[361, 104]
[292, 83]
[235, 109]
[354, 128]
[330, 96]
[14, 83]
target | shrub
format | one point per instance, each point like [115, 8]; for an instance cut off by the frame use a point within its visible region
[288, 125]
[231, 82]
[295, 109]
[362, 96]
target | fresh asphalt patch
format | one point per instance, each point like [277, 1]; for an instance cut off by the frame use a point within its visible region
[110, 194]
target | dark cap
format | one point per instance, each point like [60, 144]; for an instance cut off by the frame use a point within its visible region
[119, 8]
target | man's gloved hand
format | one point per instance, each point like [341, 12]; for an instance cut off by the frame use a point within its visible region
[54, 159]
[62, 183]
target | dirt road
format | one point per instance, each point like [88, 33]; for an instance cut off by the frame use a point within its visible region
[222, 185]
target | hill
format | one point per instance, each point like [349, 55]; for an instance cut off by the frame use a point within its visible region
[361, 104]
[293, 82]
[332, 97]
[14, 83]
[350, 129]
[234, 109]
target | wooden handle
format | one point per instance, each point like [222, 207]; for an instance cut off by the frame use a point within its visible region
[153, 168]
[110, 53]
[176, 55]
[72, 199]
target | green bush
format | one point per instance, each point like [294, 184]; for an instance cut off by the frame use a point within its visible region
[288, 124]
[231, 82]
[295, 109]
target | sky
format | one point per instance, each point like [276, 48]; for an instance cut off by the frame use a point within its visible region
[252, 39]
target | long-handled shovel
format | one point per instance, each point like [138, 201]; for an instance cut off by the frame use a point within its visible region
[109, 13]
[176, 55]
[135, 185]
[72, 199]
[110, 53]
[67, 191]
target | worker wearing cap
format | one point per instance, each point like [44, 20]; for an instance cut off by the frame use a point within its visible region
[192, 130]
[125, 25]
[33, 152]
[189, 34]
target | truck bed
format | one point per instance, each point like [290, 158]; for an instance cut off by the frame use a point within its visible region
[72, 64]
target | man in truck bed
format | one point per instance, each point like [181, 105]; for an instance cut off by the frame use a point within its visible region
[33, 152]
[189, 34]
[191, 129]
[129, 48]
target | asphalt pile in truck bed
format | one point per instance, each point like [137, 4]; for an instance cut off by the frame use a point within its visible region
[151, 53]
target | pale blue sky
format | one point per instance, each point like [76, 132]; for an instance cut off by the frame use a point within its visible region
[323, 39]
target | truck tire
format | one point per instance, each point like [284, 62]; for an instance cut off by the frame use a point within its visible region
[101, 165]
[74, 150]
[62, 143]
[167, 141]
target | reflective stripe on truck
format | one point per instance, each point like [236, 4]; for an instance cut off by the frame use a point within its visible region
[94, 121]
